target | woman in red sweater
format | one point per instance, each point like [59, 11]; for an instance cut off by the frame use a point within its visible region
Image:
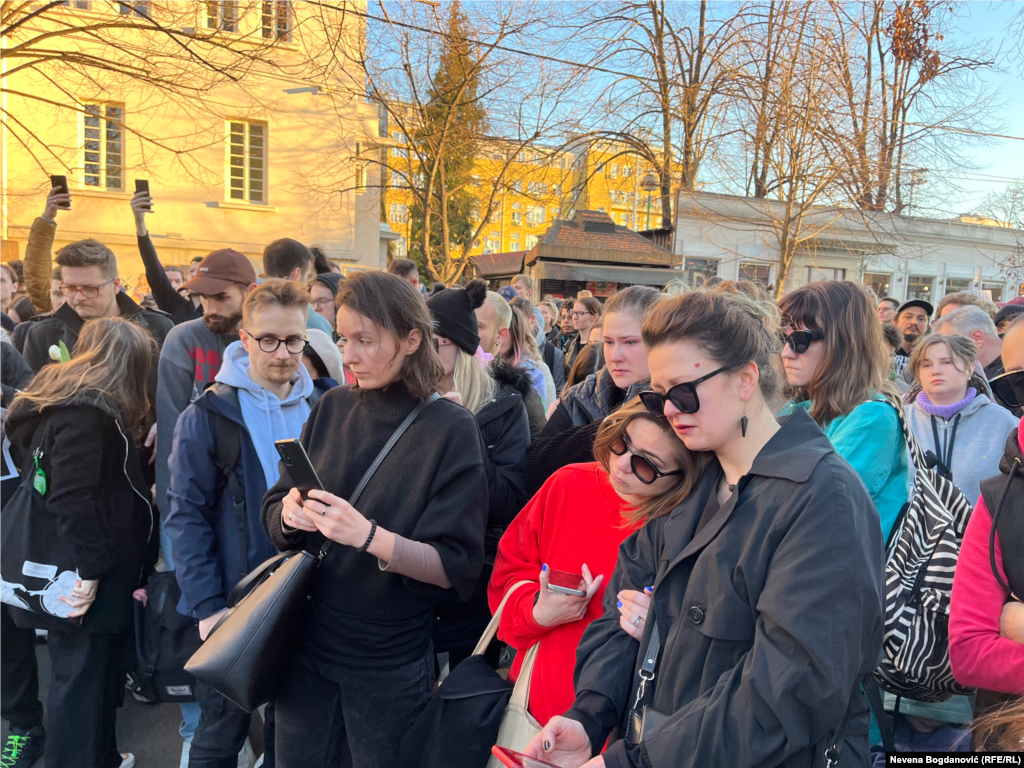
[575, 523]
[986, 615]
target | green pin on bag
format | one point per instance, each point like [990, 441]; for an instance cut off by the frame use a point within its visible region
[39, 481]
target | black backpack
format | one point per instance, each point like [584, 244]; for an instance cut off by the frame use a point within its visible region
[164, 638]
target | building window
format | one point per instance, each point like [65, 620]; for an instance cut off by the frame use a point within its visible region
[103, 146]
[401, 247]
[995, 290]
[556, 189]
[538, 188]
[879, 283]
[127, 9]
[531, 241]
[81, 5]
[919, 287]
[534, 215]
[247, 161]
[757, 272]
[476, 180]
[516, 186]
[514, 245]
[627, 170]
[956, 284]
[474, 212]
[493, 246]
[699, 271]
[398, 179]
[359, 179]
[277, 21]
[222, 15]
[813, 274]
[398, 213]
[613, 171]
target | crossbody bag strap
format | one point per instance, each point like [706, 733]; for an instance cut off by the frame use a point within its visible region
[649, 665]
[381, 456]
[835, 745]
[492, 626]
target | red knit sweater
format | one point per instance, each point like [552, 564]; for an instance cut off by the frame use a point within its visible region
[575, 518]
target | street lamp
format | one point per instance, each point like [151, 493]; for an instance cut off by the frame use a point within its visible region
[649, 184]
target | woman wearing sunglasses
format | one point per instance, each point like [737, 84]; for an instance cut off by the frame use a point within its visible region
[568, 436]
[837, 366]
[575, 524]
[768, 578]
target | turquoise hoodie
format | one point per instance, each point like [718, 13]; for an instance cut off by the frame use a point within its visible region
[870, 439]
[266, 417]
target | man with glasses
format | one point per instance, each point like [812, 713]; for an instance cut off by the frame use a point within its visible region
[222, 461]
[92, 289]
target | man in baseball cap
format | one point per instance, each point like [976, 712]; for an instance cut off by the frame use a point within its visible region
[912, 320]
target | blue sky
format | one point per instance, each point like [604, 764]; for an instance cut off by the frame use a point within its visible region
[1002, 160]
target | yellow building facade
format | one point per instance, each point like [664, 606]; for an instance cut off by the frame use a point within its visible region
[540, 186]
[248, 160]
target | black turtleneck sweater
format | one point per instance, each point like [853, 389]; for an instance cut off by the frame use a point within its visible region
[431, 488]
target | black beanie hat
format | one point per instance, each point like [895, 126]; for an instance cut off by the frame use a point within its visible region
[453, 312]
[330, 279]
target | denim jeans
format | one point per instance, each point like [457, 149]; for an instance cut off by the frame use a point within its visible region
[321, 704]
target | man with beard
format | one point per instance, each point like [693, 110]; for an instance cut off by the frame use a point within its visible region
[912, 320]
[222, 461]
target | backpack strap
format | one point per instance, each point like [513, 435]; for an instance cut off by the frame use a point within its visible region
[227, 442]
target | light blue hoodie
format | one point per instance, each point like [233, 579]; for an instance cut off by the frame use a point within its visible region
[267, 418]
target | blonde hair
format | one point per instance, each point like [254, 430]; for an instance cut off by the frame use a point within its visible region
[112, 358]
[693, 464]
[474, 384]
[961, 350]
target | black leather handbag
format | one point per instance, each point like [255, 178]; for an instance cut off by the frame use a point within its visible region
[247, 654]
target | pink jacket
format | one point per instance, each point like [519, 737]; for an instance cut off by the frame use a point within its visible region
[980, 657]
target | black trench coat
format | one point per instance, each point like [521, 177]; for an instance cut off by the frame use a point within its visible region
[769, 618]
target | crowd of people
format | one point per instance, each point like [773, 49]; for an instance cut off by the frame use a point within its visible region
[699, 489]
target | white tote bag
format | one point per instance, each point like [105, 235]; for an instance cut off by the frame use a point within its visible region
[518, 726]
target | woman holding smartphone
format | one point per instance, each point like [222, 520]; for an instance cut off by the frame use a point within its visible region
[768, 578]
[574, 525]
[364, 667]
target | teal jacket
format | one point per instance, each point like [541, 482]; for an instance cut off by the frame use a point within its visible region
[870, 439]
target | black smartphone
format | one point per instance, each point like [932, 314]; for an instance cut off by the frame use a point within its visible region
[62, 182]
[300, 469]
[513, 759]
[142, 185]
[562, 583]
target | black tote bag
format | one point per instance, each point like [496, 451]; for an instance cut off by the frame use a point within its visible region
[246, 655]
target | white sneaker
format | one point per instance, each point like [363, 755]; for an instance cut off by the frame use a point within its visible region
[127, 760]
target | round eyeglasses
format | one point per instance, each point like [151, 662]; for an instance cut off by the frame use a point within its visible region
[271, 344]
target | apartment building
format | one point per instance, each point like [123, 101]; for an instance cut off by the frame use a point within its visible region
[265, 157]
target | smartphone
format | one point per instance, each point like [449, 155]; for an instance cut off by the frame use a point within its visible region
[62, 182]
[300, 469]
[562, 583]
[517, 759]
[142, 185]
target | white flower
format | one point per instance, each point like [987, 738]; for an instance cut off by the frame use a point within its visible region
[55, 353]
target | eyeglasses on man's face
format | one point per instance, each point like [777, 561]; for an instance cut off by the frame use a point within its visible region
[88, 291]
[271, 344]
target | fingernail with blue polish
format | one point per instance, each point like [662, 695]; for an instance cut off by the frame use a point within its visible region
[619, 604]
[544, 567]
[649, 589]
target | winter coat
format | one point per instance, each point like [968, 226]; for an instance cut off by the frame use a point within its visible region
[203, 524]
[15, 373]
[597, 396]
[979, 655]
[97, 491]
[769, 618]
[870, 438]
[980, 436]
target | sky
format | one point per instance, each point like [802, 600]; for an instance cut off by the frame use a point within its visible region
[1002, 160]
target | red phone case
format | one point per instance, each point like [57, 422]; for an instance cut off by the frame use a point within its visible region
[517, 759]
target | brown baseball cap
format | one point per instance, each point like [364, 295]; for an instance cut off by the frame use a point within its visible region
[219, 270]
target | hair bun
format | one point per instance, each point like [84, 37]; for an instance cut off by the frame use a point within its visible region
[477, 292]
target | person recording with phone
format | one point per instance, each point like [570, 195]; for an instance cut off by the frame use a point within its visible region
[364, 665]
[222, 462]
[168, 299]
[571, 531]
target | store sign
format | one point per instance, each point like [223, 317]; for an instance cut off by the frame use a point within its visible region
[602, 290]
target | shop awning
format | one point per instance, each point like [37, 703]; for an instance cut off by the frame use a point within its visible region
[499, 264]
[605, 274]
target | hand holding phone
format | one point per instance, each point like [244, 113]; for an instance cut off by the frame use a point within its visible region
[553, 608]
[142, 188]
[563, 583]
[300, 468]
[514, 759]
[59, 198]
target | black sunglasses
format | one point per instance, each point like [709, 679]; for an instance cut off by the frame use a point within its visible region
[1009, 388]
[683, 396]
[799, 341]
[642, 467]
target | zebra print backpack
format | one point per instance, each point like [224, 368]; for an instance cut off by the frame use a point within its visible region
[921, 556]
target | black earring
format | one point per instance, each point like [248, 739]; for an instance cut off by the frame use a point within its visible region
[743, 423]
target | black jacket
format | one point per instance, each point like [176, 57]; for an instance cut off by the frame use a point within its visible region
[180, 308]
[98, 493]
[505, 430]
[770, 617]
[15, 373]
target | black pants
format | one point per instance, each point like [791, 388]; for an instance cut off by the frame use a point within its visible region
[222, 729]
[322, 704]
[86, 688]
[19, 674]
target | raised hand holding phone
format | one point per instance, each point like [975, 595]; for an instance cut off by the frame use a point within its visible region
[58, 199]
[141, 204]
[553, 609]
